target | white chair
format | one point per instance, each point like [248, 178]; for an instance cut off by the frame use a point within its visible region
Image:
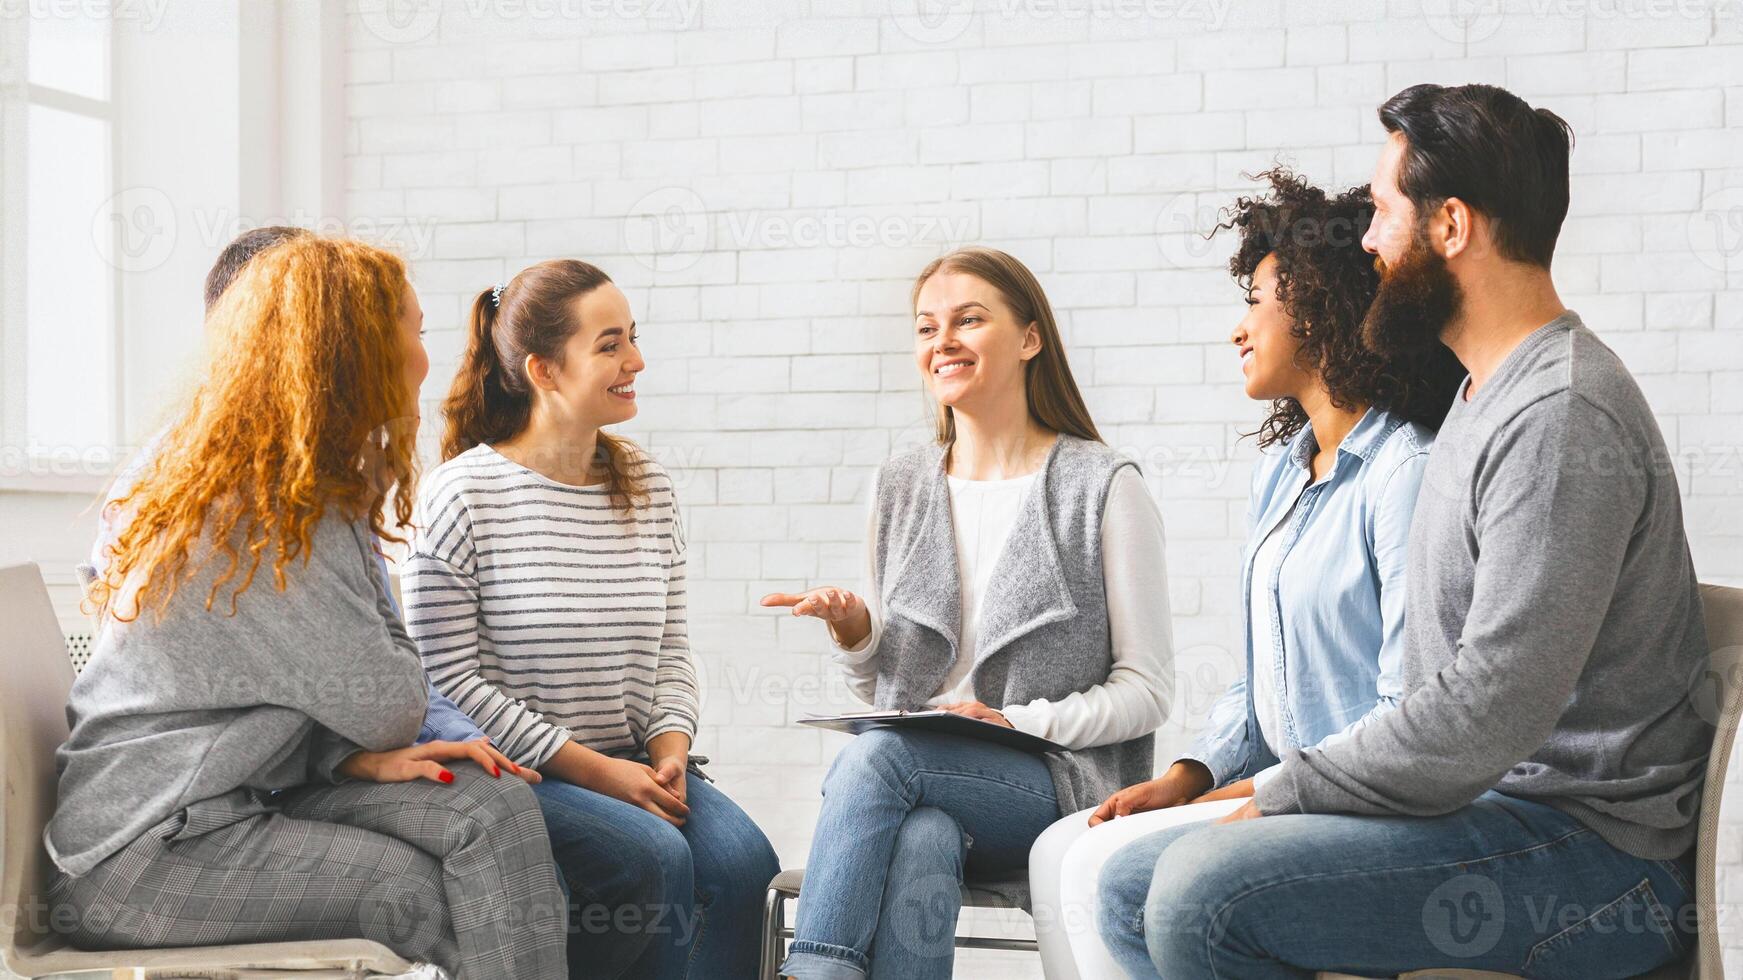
[32, 724]
[1720, 699]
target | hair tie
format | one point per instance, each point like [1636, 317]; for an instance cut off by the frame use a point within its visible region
[496, 295]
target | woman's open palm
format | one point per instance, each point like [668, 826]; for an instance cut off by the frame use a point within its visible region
[847, 615]
[828, 603]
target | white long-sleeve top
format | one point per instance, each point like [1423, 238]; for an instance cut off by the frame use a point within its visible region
[1136, 697]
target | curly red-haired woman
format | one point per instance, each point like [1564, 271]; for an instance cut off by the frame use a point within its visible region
[240, 767]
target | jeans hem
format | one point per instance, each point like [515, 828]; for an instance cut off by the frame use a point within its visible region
[822, 961]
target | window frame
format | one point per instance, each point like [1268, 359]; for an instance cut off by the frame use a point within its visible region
[23, 467]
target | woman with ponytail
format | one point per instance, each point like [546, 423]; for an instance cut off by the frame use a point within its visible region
[1015, 576]
[546, 592]
[240, 767]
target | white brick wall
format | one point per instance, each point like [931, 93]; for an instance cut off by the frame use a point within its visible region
[765, 179]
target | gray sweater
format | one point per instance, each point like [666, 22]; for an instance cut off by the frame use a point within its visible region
[1554, 623]
[175, 711]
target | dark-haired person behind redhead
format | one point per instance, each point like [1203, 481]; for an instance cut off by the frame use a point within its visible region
[1529, 806]
[1016, 574]
[546, 591]
[1322, 581]
[240, 765]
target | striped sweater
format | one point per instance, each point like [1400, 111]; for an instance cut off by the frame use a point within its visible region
[547, 614]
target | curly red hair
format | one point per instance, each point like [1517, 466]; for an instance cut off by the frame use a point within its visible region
[304, 406]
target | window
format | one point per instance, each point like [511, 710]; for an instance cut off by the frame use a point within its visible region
[62, 237]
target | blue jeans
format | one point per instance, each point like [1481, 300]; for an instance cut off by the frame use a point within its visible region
[1502, 884]
[650, 900]
[903, 814]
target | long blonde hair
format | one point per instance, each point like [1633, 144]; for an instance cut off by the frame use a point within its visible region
[304, 406]
[1054, 400]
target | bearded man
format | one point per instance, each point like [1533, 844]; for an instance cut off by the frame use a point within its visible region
[1529, 807]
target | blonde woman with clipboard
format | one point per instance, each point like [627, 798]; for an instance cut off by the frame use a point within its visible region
[1016, 576]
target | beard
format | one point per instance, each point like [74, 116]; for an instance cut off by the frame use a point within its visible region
[1417, 298]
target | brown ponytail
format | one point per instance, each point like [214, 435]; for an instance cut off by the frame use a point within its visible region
[480, 408]
[490, 399]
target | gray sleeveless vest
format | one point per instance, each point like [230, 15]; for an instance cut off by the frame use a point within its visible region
[1044, 621]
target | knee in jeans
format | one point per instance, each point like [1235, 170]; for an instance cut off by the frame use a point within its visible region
[1192, 875]
[664, 855]
[1190, 894]
[753, 864]
[929, 838]
[1121, 891]
[877, 757]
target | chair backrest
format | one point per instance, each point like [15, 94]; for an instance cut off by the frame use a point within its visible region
[33, 722]
[1719, 697]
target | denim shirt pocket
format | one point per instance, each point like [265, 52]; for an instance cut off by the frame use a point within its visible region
[1630, 936]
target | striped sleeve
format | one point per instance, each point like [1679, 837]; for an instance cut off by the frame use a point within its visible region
[442, 602]
[676, 701]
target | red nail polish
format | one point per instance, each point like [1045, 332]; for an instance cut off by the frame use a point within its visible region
[447, 777]
[496, 771]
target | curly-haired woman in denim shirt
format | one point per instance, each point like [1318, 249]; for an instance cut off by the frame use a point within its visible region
[1322, 573]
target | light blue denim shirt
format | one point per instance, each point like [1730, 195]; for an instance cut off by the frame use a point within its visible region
[1337, 591]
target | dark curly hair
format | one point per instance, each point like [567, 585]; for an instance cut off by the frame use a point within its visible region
[1325, 282]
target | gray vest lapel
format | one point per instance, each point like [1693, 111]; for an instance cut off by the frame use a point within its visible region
[1028, 590]
[927, 590]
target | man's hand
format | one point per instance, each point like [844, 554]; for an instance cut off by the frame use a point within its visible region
[1248, 811]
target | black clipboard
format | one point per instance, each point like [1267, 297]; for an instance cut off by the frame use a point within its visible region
[943, 722]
